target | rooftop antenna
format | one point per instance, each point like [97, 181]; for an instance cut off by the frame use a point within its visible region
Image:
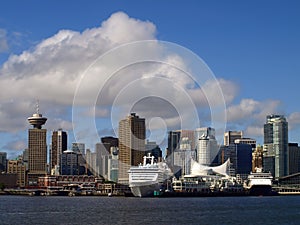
[37, 106]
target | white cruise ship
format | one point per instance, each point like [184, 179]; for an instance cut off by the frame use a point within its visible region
[147, 178]
[259, 183]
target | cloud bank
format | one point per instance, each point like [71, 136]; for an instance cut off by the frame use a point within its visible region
[53, 69]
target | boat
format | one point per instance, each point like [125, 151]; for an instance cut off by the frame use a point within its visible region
[259, 183]
[146, 179]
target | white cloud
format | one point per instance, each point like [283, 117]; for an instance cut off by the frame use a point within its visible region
[16, 145]
[254, 131]
[250, 110]
[53, 69]
[294, 120]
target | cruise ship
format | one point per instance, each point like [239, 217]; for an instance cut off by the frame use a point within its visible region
[147, 178]
[259, 183]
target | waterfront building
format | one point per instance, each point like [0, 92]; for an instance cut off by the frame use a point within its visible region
[276, 145]
[69, 163]
[59, 145]
[207, 146]
[8, 180]
[231, 136]
[78, 147]
[294, 158]
[132, 134]
[240, 156]
[3, 162]
[37, 148]
[17, 167]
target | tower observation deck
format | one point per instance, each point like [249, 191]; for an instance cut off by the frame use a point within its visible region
[37, 120]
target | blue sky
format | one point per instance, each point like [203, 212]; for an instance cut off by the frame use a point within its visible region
[253, 46]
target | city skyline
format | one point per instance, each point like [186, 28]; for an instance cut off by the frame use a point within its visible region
[240, 44]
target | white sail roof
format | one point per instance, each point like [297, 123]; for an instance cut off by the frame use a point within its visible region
[201, 170]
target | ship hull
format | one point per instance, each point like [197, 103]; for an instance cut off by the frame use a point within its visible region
[261, 190]
[146, 190]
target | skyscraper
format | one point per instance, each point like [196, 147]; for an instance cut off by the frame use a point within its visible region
[59, 145]
[132, 133]
[173, 145]
[3, 161]
[37, 148]
[276, 144]
[231, 136]
[78, 147]
[207, 146]
[294, 158]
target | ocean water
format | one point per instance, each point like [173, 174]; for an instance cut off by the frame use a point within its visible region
[129, 210]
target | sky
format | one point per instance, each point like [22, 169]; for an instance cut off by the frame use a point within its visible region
[60, 52]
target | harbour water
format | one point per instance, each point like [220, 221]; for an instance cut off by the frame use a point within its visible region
[122, 210]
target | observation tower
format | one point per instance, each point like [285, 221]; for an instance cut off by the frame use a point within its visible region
[37, 119]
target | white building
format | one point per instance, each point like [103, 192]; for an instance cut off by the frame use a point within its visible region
[207, 146]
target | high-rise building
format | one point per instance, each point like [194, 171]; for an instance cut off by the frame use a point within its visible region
[257, 158]
[294, 158]
[154, 149]
[59, 145]
[113, 164]
[231, 136]
[3, 161]
[101, 162]
[78, 147]
[240, 156]
[183, 157]
[109, 142]
[207, 146]
[103, 152]
[190, 134]
[173, 145]
[132, 134]
[69, 163]
[37, 148]
[248, 141]
[276, 145]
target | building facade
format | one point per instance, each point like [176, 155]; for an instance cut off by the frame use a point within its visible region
[240, 156]
[173, 145]
[59, 145]
[78, 147]
[132, 134]
[294, 158]
[231, 136]
[3, 162]
[18, 167]
[257, 158]
[207, 146]
[37, 148]
[276, 145]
